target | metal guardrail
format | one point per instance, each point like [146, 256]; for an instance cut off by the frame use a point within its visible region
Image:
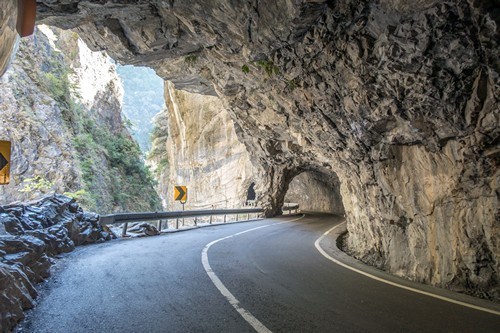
[125, 218]
[290, 206]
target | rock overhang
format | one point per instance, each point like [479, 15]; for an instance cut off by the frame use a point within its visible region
[380, 93]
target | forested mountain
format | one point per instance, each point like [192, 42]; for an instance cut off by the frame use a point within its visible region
[61, 107]
[143, 99]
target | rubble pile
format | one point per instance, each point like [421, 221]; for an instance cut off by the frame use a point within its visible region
[31, 235]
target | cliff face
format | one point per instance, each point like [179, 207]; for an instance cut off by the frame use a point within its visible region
[201, 151]
[398, 99]
[33, 120]
[60, 105]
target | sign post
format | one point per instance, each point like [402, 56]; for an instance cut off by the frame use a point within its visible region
[180, 194]
[4, 162]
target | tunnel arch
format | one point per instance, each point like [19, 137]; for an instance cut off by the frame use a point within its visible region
[316, 190]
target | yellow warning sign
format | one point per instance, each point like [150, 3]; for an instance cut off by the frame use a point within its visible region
[180, 193]
[4, 162]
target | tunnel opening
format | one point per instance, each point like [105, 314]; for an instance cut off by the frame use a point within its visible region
[251, 193]
[316, 191]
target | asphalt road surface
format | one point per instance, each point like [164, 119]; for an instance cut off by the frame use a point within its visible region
[274, 274]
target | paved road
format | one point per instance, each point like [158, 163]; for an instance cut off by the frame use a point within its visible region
[159, 284]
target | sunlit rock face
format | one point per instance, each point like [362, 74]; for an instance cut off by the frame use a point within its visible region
[203, 153]
[397, 98]
[33, 121]
[32, 116]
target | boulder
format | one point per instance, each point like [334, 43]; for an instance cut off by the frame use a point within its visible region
[144, 229]
[30, 236]
[17, 293]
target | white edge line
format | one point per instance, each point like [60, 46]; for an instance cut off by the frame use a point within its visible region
[446, 299]
[254, 322]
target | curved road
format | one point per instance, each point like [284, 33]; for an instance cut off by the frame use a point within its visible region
[274, 274]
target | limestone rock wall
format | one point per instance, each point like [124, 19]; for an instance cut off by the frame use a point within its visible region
[438, 207]
[387, 95]
[203, 152]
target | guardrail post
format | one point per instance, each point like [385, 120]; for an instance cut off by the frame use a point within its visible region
[124, 231]
[124, 219]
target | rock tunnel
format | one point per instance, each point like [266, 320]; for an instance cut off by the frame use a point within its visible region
[316, 191]
[400, 98]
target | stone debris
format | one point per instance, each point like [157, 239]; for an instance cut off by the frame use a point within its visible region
[30, 236]
[143, 229]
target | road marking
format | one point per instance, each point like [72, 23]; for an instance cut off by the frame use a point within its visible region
[254, 322]
[446, 299]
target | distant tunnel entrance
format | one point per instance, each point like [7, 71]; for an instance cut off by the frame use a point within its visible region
[316, 191]
[251, 192]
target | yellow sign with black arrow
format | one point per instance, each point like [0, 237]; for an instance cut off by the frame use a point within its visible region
[4, 162]
[180, 193]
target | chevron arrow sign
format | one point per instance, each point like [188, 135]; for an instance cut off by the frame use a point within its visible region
[180, 193]
[4, 162]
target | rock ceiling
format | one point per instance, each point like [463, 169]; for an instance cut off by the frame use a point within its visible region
[398, 99]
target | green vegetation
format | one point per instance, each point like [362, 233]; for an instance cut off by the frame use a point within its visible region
[143, 99]
[114, 176]
[269, 67]
[112, 168]
[78, 195]
[36, 184]
[245, 69]
[191, 59]
[292, 84]
[158, 154]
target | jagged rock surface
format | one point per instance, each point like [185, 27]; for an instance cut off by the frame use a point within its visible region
[33, 121]
[398, 98]
[30, 236]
